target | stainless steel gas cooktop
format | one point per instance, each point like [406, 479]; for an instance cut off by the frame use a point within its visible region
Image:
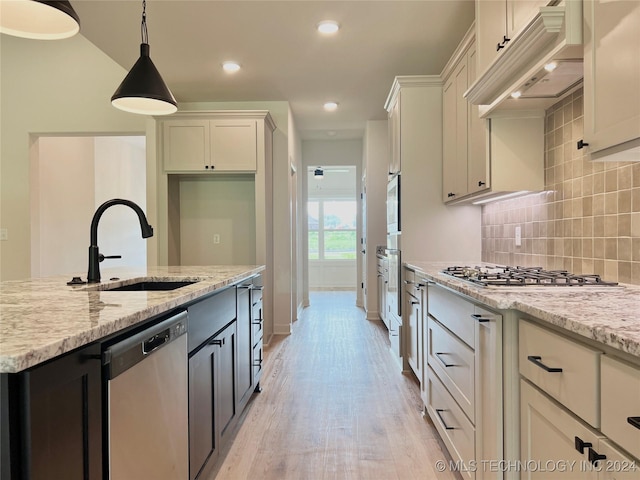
[504, 276]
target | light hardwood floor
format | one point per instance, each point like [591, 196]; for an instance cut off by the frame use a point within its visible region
[333, 406]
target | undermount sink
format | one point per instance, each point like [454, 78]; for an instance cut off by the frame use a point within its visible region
[149, 285]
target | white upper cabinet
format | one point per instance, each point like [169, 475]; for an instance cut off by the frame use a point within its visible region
[219, 144]
[498, 21]
[612, 79]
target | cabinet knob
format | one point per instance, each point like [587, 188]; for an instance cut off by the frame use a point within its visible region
[581, 444]
[451, 194]
[481, 183]
[207, 167]
[581, 144]
[594, 456]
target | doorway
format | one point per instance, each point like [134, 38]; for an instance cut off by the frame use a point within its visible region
[332, 226]
[69, 178]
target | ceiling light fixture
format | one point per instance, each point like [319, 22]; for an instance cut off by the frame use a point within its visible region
[39, 19]
[551, 66]
[230, 67]
[330, 106]
[318, 173]
[143, 91]
[328, 27]
[517, 94]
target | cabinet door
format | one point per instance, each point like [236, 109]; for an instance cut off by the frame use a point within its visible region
[615, 465]
[520, 13]
[234, 145]
[244, 382]
[412, 305]
[63, 418]
[490, 29]
[186, 145]
[548, 437]
[394, 140]
[225, 396]
[203, 441]
[478, 177]
[449, 148]
[611, 74]
[462, 117]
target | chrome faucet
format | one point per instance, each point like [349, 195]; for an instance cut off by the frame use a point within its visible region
[95, 257]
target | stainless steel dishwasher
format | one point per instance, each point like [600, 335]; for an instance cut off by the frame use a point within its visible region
[147, 389]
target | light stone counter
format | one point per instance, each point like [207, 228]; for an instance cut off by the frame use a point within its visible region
[608, 315]
[41, 319]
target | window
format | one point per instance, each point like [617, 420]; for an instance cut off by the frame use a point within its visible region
[332, 229]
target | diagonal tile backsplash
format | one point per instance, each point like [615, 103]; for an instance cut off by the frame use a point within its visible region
[586, 221]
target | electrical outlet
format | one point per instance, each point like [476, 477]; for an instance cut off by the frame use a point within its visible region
[518, 236]
[4, 234]
[216, 238]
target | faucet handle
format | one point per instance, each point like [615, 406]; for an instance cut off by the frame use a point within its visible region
[101, 257]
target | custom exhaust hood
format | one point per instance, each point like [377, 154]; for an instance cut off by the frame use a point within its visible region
[538, 67]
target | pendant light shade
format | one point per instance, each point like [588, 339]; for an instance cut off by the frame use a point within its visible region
[143, 91]
[38, 19]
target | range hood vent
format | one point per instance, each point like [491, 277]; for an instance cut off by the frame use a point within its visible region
[554, 36]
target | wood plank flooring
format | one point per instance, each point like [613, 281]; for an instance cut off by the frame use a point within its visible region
[333, 406]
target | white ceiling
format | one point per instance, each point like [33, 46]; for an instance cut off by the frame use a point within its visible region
[282, 55]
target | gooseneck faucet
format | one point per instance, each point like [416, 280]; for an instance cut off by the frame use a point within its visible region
[94, 254]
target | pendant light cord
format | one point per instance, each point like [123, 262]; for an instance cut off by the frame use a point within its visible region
[143, 26]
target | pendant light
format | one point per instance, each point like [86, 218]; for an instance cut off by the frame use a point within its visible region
[143, 90]
[318, 173]
[38, 19]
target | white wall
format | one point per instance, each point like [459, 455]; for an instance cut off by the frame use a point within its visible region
[60, 87]
[376, 167]
[224, 206]
[71, 177]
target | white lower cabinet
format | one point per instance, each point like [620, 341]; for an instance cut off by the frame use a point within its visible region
[557, 445]
[578, 407]
[464, 381]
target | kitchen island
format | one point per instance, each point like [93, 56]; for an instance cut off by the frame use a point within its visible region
[527, 375]
[58, 370]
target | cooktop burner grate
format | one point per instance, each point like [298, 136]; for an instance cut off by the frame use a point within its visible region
[524, 276]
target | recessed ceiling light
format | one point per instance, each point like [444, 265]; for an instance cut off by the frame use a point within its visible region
[230, 67]
[328, 27]
[516, 94]
[330, 106]
[550, 67]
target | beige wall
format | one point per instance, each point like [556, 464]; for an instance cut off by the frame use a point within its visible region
[587, 220]
[223, 206]
[60, 87]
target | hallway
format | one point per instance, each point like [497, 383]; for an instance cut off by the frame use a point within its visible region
[333, 406]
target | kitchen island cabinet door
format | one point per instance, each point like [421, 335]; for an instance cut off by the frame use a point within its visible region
[244, 381]
[611, 78]
[59, 411]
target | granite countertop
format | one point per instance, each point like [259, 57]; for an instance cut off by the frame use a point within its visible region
[608, 315]
[43, 318]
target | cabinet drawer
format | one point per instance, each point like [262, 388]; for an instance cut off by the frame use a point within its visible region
[577, 384]
[453, 361]
[456, 431]
[621, 403]
[210, 315]
[453, 312]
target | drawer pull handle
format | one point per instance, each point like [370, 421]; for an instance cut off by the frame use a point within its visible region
[442, 361]
[635, 421]
[581, 445]
[480, 318]
[594, 456]
[536, 360]
[446, 427]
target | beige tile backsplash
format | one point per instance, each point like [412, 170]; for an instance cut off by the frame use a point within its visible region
[586, 221]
